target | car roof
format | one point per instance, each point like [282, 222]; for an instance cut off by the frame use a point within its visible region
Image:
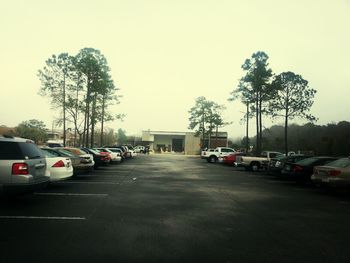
[7, 138]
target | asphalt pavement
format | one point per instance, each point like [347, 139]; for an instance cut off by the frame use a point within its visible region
[173, 208]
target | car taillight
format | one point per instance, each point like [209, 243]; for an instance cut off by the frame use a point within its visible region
[297, 168]
[60, 163]
[20, 168]
[334, 172]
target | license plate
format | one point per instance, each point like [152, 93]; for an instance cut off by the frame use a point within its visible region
[325, 180]
[277, 164]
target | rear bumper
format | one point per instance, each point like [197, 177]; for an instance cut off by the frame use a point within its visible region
[331, 181]
[13, 189]
[83, 168]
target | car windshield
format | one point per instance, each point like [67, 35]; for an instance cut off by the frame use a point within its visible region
[307, 161]
[340, 163]
[93, 151]
[66, 153]
[49, 154]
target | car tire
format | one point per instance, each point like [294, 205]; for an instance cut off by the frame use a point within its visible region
[213, 159]
[254, 166]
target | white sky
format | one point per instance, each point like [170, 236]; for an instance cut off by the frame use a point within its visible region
[165, 53]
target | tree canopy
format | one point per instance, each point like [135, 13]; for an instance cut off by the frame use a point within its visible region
[32, 129]
[81, 87]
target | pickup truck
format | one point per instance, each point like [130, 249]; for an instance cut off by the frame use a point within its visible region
[255, 163]
[214, 155]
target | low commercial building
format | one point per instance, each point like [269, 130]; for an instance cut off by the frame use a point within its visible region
[179, 142]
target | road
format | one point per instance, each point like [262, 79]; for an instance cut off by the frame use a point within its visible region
[172, 208]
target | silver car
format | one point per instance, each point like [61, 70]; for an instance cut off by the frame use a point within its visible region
[22, 166]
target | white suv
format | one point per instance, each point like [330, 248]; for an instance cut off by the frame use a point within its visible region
[22, 166]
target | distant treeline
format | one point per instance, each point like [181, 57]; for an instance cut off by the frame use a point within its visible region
[331, 139]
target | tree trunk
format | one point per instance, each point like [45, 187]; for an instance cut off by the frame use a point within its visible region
[260, 124]
[88, 113]
[102, 119]
[286, 133]
[257, 150]
[76, 115]
[64, 110]
[203, 130]
[93, 121]
[247, 130]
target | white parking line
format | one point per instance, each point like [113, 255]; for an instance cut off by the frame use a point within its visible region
[84, 182]
[72, 194]
[44, 217]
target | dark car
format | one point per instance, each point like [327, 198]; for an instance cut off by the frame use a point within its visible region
[100, 159]
[276, 165]
[301, 171]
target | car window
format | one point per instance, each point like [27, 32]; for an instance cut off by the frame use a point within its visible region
[75, 151]
[93, 151]
[341, 163]
[49, 153]
[66, 153]
[307, 161]
[30, 150]
[10, 151]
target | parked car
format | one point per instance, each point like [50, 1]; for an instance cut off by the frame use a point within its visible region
[139, 149]
[231, 158]
[335, 174]
[255, 163]
[276, 165]
[85, 163]
[218, 154]
[115, 157]
[22, 166]
[58, 167]
[205, 151]
[75, 159]
[301, 171]
[100, 158]
[118, 151]
[130, 150]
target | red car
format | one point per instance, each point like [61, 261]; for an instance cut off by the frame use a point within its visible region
[231, 158]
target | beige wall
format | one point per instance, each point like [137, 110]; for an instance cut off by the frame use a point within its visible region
[192, 144]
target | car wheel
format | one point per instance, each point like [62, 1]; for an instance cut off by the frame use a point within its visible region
[213, 159]
[254, 166]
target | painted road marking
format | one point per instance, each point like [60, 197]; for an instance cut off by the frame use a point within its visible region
[44, 217]
[84, 182]
[72, 194]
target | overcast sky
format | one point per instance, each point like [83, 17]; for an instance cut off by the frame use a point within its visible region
[165, 53]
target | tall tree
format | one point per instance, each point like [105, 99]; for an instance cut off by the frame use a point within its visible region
[53, 79]
[259, 90]
[293, 98]
[246, 95]
[121, 136]
[205, 116]
[93, 65]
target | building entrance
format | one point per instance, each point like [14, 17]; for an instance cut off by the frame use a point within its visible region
[177, 145]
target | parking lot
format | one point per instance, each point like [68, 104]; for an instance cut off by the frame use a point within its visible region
[173, 208]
